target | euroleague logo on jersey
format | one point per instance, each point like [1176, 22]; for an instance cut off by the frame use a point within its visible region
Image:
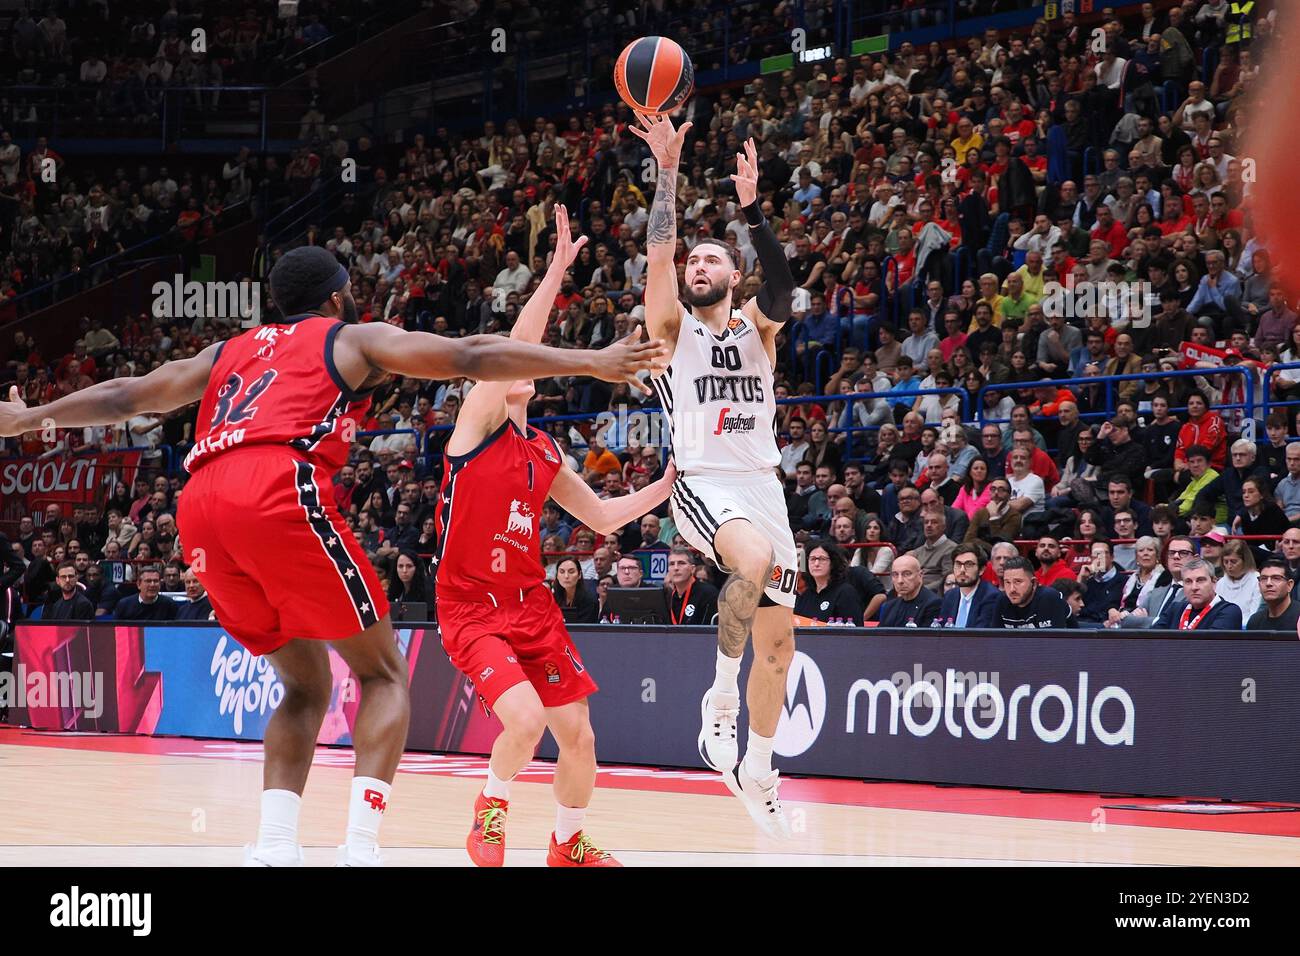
[728, 423]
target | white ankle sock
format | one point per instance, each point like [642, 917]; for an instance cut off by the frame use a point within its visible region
[758, 755]
[278, 831]
[568, 821]
[365, 813]
[496, 788]
[725, 673]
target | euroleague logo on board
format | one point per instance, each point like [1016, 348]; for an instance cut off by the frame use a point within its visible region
[804, 709]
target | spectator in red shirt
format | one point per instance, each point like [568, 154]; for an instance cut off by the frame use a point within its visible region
[1040, 462]
[1051, 567]
[1110, 231]
[1203, 427]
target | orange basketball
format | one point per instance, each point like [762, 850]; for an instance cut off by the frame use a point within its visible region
[654, 75]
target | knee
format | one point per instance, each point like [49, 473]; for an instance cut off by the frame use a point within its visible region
[756, 567]
[579, 740]
[528, 722]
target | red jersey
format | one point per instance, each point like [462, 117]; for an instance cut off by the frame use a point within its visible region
[278, 385]
[488, 515]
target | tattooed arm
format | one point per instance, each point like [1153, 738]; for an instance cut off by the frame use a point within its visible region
[662, 308]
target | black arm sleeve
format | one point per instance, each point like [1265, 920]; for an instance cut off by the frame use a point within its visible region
[776, 295]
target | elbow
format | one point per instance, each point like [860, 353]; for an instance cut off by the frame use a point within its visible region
[470, 360]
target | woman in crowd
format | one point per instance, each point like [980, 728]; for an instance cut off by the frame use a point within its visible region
[1150, 575]
[975, 491]
[428, 539]
[572, 594]
[1240, 582]
[821, 450]
[877, 554]
[876, 465]
[1260, 514]
[827, 594]
[602, 595]
[408, 584]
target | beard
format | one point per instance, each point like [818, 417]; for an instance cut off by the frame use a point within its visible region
[714, 295]
[349, 310]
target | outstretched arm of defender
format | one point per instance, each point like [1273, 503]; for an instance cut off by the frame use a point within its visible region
[486, 401]
[662, 310]
[605, 515]
[172, 385]
[492, 358]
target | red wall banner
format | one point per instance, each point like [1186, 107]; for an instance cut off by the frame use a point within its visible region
[27, 485]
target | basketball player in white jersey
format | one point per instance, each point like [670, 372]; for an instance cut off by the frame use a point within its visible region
[727, 501]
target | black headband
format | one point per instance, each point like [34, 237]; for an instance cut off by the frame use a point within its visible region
[312, 298]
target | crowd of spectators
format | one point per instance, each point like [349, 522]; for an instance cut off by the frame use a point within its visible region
[925, 197]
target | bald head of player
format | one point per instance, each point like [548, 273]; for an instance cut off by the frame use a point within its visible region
[310, 281]
[711, 274]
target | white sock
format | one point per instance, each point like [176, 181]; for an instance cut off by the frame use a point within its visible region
[365, 813]
[496, 788]
[725, 673]
[758, 755]
[278, 831]
[568, 821]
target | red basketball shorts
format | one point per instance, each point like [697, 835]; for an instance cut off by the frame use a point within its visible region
[499, 640]
[260, 529]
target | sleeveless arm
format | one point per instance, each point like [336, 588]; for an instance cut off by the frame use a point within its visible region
[172, 385]
[609, 514]
[485, 357]
[663, 313]
[485, 404]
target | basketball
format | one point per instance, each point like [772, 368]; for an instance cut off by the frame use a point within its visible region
[654, 75]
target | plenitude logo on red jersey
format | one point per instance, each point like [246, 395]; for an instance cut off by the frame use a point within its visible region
[728, 423]
[519, 521]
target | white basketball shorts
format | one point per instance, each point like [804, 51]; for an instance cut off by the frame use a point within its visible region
[701, 504]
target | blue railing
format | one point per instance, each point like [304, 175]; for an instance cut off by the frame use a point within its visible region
[1267, 403]
[849, 431]
[1111, 380]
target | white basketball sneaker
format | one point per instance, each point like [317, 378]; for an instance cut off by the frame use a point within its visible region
[761, 799]
[257, 857]
[348, 857]
[718, 715]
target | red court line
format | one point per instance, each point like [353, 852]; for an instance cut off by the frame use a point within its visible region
[1066, 807]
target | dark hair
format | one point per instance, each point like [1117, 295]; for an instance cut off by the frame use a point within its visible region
[968, 482]
[557, 588]
[301, 279]
[65, 564]
[1066, 586]
[1018, 563]
[1198, 451]
[1278, 564]
[1262, 484]
[1096, 521]
[971, 549]
[839, 561]
[417, 591]
[1120, 480]
[1275, 420]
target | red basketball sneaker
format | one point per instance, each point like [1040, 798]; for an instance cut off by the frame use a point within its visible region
[579, 851]
[487, 840]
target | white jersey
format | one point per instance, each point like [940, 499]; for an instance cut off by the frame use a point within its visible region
[717, 393]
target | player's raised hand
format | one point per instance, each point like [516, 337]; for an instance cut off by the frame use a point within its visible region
[621, 361]
[746, 175]
[663, 140]
[12, 414]
[566, 248]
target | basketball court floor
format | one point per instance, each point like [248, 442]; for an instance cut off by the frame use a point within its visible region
[86, 800]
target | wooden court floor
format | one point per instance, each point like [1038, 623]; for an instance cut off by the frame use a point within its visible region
[96, 800]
